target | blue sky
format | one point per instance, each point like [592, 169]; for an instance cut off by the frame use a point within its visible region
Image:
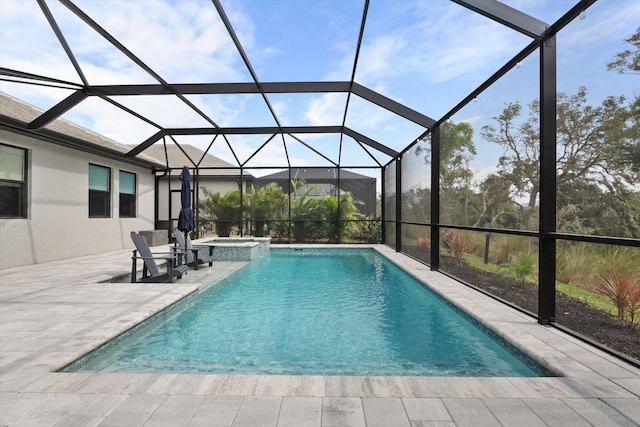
[426, 54]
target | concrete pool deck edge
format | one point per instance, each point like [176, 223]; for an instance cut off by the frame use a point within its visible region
[50, 314]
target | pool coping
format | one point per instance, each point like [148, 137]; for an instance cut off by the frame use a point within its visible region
[38, 339]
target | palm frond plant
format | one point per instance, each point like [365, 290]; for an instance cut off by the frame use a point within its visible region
[306, 210]
[223, 210]
[264, 204]
[340, 213]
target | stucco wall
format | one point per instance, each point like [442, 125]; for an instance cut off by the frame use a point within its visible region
[58, 224]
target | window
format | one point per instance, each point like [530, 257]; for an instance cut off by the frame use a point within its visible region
[13, 182]
[127, 194]
[99, 192]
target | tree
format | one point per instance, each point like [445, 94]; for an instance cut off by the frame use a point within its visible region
[459, 203]
[628, 61]
[497, 207]
[590, 141]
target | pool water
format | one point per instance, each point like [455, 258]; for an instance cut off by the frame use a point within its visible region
[314, 312]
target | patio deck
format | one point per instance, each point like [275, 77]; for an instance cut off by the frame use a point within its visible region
[54, 312]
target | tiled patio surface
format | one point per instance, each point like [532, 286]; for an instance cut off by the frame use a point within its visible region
[52, 313]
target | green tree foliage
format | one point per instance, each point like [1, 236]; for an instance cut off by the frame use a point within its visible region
[264, 204]
[339, 213]
[306, 211]
[456, 196]
[593, 172]
[628, 61]
[321, 216]
[222, 210]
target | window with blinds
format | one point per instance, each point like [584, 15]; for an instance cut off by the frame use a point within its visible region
[13, 182]
[127, 198]
[99, 191]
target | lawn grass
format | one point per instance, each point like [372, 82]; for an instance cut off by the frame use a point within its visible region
[592, 299]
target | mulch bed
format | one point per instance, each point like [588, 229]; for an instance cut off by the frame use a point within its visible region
[570, 313]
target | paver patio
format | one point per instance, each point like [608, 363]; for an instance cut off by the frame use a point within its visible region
[52, 313]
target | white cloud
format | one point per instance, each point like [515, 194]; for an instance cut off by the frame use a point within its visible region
[280, 107]
[471, 119]
[379, 58]
[327, 110]
[617, 23]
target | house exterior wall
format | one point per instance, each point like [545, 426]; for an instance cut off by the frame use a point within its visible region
[58, 224]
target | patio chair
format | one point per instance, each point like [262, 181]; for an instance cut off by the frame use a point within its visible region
[150, 270]
[195, 255]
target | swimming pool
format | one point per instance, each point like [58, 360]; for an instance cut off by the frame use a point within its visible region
[314, 312]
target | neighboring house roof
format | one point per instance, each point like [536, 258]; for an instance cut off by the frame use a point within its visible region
[16, 114]
[209, 166]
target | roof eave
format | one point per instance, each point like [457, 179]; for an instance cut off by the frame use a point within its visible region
[11, 125]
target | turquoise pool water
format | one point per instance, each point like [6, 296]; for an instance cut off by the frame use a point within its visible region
[314, 312]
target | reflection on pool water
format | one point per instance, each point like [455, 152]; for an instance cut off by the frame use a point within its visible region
[314, 312]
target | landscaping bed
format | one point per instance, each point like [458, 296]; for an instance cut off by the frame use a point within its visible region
[570, 312]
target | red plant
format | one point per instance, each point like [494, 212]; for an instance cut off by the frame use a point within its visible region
[457, 243]
[423, 242]
[617, 286]
[633, 303]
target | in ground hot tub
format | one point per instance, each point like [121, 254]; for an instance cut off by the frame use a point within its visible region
[238, 248]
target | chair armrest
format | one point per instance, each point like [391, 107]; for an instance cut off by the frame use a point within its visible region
[204, 248]
[162, 257]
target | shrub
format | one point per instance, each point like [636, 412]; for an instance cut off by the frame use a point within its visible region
[456, 243]
[423, 242]
[263, 204]
[622, 259]
[524, 264]
[633, 303]
[617, 286]
[503, 247]
[368, 230]
[221, 210]
[575, 266]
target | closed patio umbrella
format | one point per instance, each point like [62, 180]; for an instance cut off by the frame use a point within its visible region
[186, 220]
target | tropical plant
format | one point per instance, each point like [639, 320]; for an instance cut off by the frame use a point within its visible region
[371, 229]
[367, 230]
[306, 211]
[264, 203]
[339, 212]
[619, 279]
[456, 243]
[616, 286]
[633, 304]
[221, 210]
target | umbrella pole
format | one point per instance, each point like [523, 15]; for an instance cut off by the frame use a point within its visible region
[186, 235]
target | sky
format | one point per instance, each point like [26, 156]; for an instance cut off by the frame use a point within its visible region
[425, 54]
